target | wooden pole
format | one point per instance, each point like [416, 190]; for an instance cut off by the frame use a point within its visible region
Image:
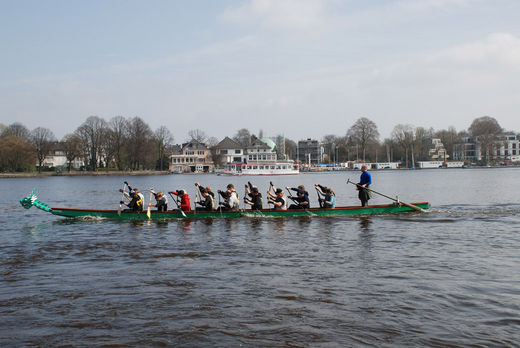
[393, 199]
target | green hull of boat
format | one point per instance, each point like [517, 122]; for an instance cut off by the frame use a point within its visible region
[175, 214]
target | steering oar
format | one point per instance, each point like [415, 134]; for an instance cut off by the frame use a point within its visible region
[393, 199]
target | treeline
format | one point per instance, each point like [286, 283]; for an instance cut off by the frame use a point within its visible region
[407, 143]
[130, 144]
[119, 143]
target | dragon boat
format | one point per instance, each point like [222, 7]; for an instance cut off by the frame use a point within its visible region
[396, 207]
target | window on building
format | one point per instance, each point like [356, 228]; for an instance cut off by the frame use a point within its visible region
[238, 151]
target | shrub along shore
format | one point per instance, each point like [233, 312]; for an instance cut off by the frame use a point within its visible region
[82, 173]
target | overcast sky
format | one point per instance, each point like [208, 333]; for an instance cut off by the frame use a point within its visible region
[294, 67]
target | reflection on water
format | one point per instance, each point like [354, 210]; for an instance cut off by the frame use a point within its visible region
[448, 277]
[364, 223]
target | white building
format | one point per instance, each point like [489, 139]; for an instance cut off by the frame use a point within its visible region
[259, 158]
[437, 150]
[506, 148]
[229, 151]
[386, 165]
[429, 164]
[454, 164]
[56, 158]
[359, 165]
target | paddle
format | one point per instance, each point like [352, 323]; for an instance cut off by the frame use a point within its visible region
[122, 197]
[245, 198]
[291, 197]
[320, 200]
[149, 211]
[269, 199]
[393, 199]
[219, 205]
[198, 195]
[177, 203]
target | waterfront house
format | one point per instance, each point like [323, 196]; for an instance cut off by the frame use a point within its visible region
[258, 158]
[192, 157]
[228, 151]
[56, 159]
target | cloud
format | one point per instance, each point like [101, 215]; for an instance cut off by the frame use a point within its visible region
[497, 49]
[296, 14]
[450, 86]
[494, 57]
[428, 5]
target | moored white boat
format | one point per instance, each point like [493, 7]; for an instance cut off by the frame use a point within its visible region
[259, 168]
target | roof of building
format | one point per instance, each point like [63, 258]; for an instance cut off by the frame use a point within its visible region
[258, 144]
[269, 143]
[176, 150]
[228, 143]
[195, 145]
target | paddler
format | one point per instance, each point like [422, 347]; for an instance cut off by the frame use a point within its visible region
[185, 199]
[329, 200]
[135, 204]
[276, 199]
[255, 197]
[208, 202]
[302, 198]
[230, 196]
[161, 201]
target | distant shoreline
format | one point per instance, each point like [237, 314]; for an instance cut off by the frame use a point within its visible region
[98, 173]
[165, 172]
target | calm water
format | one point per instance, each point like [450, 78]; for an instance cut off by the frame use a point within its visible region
[448, 277]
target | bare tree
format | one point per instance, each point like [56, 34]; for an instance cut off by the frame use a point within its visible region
[364, 132]
[72, 148]
[243, 137]
[18, 130]
[198, 135]
[42, 140]
[290, 148]
[404, 135]
[486, 129]
[163, 139]
[116, 138]
[422, 143]
[139, 144]
[449, 138]
[388, 148]
[91, 133]
[330, 143]
[212, 141]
